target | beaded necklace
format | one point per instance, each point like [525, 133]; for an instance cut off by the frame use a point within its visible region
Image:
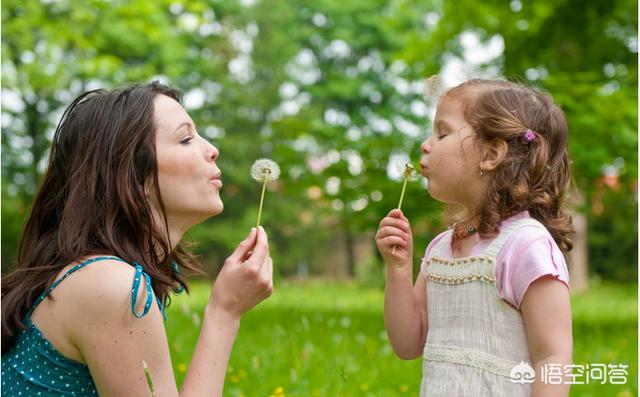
[462, 230]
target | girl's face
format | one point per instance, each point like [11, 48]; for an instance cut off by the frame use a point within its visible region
[188, 178]
[451, 159]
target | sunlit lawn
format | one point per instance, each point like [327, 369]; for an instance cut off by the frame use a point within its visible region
[322, 338]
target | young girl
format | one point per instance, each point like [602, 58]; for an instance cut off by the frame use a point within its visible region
[128, 174]
[491, 303]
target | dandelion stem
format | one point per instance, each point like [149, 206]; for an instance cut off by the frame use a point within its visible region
[264, 187]
[148, 376]
[404, 186]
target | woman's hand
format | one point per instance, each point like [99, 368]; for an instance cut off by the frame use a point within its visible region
[246, 278]
[395, 231]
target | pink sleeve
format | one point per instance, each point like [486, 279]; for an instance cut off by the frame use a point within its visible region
[429, 251]
[530, 254]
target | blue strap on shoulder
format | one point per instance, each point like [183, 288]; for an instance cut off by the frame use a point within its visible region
[134, 293]
[176, 270]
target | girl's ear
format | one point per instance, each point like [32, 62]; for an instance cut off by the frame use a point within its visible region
[493, 154]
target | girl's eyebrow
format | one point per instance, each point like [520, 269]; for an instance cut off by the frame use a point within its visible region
[442, 124]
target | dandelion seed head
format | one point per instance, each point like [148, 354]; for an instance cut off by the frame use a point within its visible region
[408, 170]
[265, 169]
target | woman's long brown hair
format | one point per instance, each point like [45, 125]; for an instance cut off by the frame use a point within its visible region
[92, 201]
[534, 175]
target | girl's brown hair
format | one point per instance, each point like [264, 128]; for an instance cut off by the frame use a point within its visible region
[92, 201]
[535, 174]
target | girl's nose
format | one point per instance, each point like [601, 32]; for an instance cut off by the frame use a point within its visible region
[426, 145]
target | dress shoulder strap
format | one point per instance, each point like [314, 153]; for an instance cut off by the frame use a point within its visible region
[134, 290]
[441, 247]
[496, 245]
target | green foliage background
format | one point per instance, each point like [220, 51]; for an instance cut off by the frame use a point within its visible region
[332, 90]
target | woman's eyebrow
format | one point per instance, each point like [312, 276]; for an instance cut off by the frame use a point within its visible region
[186, 123]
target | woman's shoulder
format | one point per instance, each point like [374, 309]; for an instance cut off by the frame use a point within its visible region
[102, 283]
[90, 291]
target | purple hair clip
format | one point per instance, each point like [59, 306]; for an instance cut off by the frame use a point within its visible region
[529, 135]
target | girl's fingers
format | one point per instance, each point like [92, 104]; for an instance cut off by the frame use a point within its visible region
[394, 222]
[391, 231]
[390, 241]
[396, 213]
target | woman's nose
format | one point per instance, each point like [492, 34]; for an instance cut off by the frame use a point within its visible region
[212, 152]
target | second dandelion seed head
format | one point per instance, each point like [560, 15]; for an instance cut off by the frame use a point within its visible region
[265, 169]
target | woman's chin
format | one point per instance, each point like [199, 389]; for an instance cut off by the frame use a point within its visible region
[213, 210]
[217, 208]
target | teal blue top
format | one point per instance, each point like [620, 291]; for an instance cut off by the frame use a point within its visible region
[33, 367]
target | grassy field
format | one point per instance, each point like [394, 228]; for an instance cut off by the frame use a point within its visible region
[320, 338]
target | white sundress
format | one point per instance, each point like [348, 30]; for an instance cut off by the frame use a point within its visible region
[475, 338]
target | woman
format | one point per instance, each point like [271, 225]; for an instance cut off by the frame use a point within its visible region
[128, 174]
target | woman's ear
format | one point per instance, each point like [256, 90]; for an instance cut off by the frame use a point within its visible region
[149, 191]
[493, 154]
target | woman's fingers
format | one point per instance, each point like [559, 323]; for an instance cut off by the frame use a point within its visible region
[243, 249]
[266, 274]
[260, 251]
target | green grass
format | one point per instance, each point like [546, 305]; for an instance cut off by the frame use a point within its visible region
[321, 338]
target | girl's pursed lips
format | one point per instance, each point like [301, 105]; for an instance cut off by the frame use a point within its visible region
[424, 169]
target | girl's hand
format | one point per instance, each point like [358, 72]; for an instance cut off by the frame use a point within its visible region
[246, 278]
[395, 231]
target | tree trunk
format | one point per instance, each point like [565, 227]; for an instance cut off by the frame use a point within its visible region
[33, 129]
[578, 257]
[351, 255]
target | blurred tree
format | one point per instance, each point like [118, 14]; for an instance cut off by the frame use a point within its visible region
[53, 51]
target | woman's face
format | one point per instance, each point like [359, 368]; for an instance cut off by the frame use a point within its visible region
[188, 178]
